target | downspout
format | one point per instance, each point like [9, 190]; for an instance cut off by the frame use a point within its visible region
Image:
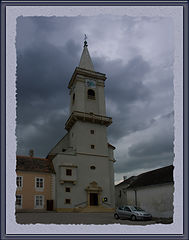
[135, 197]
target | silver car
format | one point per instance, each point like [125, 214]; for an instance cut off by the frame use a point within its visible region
[131, 212]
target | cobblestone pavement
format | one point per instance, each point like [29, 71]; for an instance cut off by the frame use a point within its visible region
[74, 218]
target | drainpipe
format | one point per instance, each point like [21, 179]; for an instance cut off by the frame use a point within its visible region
[135, 197]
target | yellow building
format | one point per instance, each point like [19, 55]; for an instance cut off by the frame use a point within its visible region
[35, 184]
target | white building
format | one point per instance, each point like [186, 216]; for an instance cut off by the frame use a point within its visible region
[152, 191]
[83, 159]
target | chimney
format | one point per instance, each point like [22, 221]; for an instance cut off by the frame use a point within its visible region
[31, 152]
[124, 178]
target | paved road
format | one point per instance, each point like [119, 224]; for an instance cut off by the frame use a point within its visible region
[74, 218]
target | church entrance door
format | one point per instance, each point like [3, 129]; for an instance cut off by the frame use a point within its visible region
[93, 199]
[93, 194]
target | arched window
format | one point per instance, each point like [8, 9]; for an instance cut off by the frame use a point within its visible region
[91, 94]
[73, 99]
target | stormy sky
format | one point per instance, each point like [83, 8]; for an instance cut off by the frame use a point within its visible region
[137, 56]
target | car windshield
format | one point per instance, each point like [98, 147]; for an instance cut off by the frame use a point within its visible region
[136, 208]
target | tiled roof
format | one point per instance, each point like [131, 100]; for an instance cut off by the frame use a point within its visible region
[33, 164]
[157, 176]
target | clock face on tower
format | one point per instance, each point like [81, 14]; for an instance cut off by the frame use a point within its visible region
[90, 83]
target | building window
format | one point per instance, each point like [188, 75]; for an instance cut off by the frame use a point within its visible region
[67, 189]
[92, 131]
[19, 201]
[39, 201]
[91, 94]
[68, 172]
[19, 181]
[67, 201]
[92, 146]
[39, 183]
[92, 167]
[73, 99]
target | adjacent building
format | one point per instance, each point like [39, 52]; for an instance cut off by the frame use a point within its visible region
[152, 191]
[35, 184]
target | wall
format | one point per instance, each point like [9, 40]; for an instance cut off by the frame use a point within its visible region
[28, 190]
[155, 199]
[158, 200]
[85, 176]
[111, 186]
[111, 153]
[82, 138]
[82, 103]
[79, 103]
[122, 197]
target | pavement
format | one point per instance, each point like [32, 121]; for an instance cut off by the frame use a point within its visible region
[74, 218]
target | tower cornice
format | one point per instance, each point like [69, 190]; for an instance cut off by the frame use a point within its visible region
[88, 117]
[86, 73]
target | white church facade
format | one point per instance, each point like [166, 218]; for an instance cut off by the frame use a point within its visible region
[83, 159]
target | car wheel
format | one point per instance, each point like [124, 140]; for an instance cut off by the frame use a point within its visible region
[116, 216]
[133, 217]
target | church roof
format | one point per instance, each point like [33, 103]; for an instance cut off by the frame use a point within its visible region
[33, 164]
[86, 67]
[85, 61]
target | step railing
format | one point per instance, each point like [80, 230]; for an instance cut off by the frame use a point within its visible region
[105, 203]
[79, 204]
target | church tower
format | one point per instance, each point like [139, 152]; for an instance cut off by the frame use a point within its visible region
[83, 159]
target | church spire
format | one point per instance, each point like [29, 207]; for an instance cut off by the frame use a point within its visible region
[85, 61]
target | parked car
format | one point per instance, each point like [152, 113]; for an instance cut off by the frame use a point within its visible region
[132, 213]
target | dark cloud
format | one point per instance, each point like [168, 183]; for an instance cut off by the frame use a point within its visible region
[148, 162]
[150, 148]
[43, 73]
[159, 143]
[41, 136]
[139, 89]
[125, 81]
[156, 149]
[124, 86]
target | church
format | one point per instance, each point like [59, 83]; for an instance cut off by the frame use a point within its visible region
[83, 159]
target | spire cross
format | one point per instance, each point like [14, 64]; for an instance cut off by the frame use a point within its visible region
[85, 42]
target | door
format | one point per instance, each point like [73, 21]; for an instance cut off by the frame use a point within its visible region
[50, 205]
[93, 199]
